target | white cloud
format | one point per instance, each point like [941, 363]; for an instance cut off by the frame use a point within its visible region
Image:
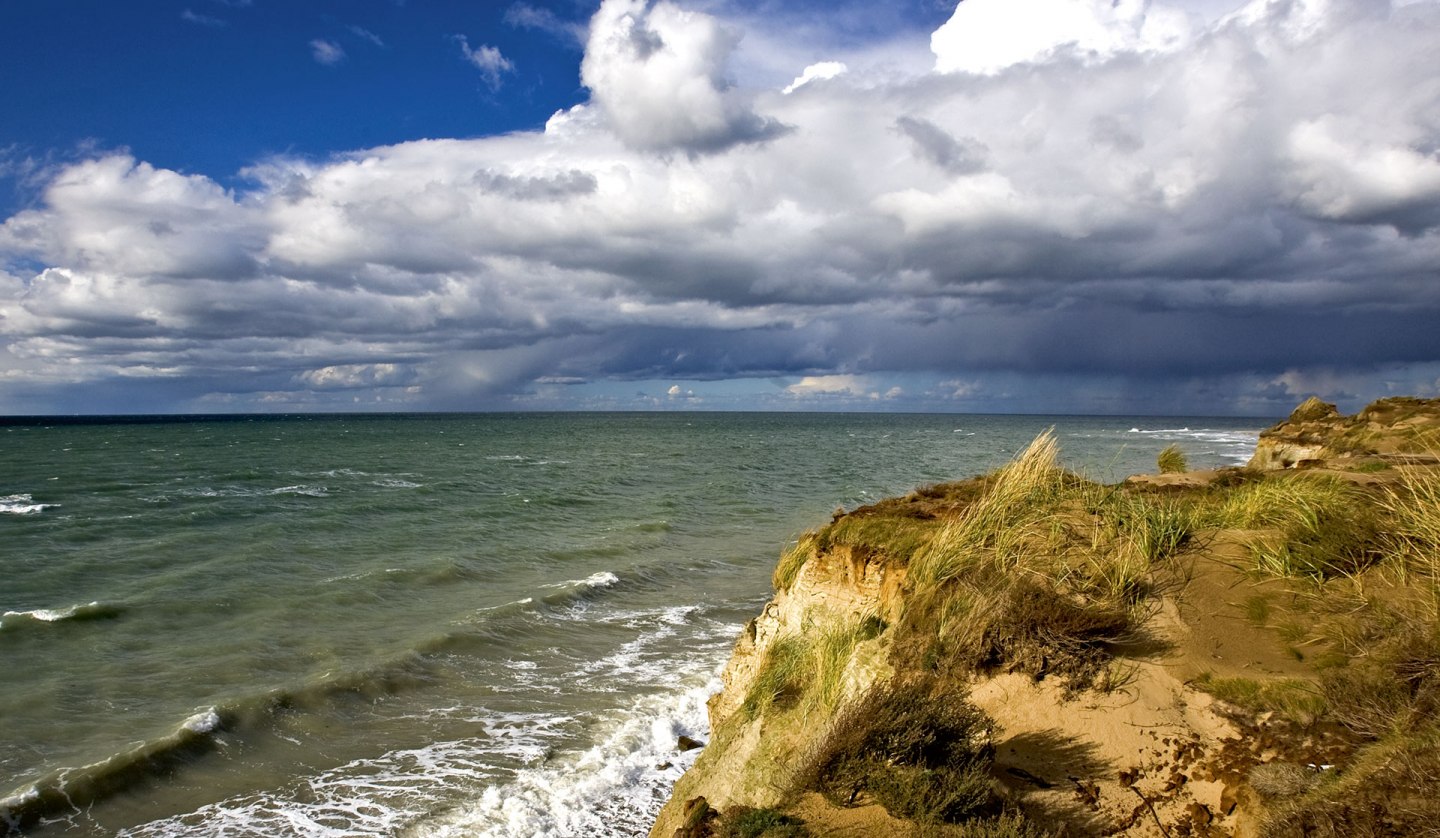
[830, 385]
[987, 36]
[326, 52]
[657, 73]
[816, 72]
[488, 60]
[1240, 203]
[191, 16]
[366, 35]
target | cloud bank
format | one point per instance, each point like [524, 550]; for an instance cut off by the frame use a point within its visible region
[1138, 208]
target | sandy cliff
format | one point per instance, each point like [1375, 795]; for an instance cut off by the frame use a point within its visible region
[1031, 653]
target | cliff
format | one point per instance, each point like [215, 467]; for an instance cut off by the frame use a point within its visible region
[1398, 429]
[1031, 653]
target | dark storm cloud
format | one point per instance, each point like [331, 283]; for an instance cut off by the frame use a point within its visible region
[1249, 203]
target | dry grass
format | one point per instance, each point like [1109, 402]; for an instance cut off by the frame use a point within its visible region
[1171, 460]
[1297, 700]
[924, 755]
[1414, 535]
[993, 527]
[1321, 527]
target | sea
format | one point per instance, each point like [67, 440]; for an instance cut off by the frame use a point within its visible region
[423, 625]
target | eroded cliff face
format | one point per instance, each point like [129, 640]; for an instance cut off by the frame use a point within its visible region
[1397, 429]
[752, 753]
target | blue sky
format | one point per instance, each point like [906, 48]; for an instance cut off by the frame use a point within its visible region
[1212, 206]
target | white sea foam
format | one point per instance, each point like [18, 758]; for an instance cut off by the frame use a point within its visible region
[602, 579]
[307, 491]
[1233, 445]
[23, 504]
[205, 721]
[55, 615]
[613, 789]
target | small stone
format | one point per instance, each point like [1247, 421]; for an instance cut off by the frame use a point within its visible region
[685, 743]
[1199, 814]
[1229, 798]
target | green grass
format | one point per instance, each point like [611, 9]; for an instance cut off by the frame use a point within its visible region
[923, 755]
[1322, 527]
[1298, 700]
[782, 680]
[994, 525]
[744, 822]
[787, 570]
[807, 671]
[1414, 534]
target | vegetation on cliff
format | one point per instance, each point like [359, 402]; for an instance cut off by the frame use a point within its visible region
[1280, 627]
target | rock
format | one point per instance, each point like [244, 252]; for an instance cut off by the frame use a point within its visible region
[1199, 814]
[1394, 428]
[685, 743]
[1312, 409]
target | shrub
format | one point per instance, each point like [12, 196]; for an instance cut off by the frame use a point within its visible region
[744, 822]
[1040, 631]
[924, 756]
[1171, 460]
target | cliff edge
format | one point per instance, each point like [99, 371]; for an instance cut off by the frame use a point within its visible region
[1246, 652]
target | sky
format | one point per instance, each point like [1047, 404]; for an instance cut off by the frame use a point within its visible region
[1215, 207]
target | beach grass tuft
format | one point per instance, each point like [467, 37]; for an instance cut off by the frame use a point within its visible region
[1171, 460]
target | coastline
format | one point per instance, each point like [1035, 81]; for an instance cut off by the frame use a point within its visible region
[1167, 656]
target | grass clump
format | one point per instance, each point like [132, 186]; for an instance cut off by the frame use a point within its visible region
[744, 822]
[1295, 699]
[923, 755]
[808, 670]
[1414, 535]
[782, 678]
[1010, 825]
[1322, 527]
[787, 570]
[1018, 497]
[1171, 460]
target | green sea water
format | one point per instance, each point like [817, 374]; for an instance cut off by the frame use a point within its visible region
[421, 625]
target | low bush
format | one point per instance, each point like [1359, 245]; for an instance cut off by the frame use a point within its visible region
[924, 756]
[744, 822]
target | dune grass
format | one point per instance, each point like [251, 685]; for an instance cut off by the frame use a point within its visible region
[993, 526]
[1414, 533]
[1171, 460]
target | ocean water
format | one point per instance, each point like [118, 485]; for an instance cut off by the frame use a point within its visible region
[491, 625]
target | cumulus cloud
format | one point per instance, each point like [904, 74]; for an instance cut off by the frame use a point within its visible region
[987, 36]
[488, 60]
[1209, 220]
[657, 73]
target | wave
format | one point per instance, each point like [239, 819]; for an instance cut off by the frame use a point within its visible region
[614, 788]
[74, 613]
[23, 504]
[71, 790]
[1234, 445]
